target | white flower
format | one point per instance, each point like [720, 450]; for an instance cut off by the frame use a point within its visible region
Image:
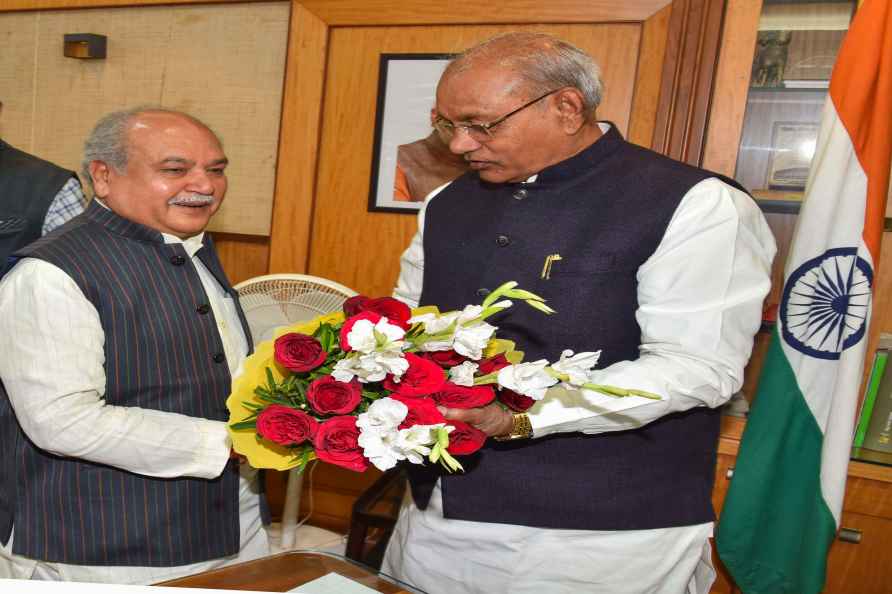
[378, 445]
[346, 369]
[469, 313]
[366, 337]
[578, 367]
[372, 367]
[435, 324]
[414, 442]
[384, 444]
[437, 345]
[471, 340]
[463, 375]
[385, 413]
[390, 362]
[529, 379]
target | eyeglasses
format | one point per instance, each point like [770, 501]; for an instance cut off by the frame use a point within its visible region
[480, 132]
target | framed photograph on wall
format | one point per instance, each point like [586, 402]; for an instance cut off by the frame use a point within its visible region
[404, 137]
[792, 149]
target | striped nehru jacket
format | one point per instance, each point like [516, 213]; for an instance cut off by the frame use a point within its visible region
[162, 351]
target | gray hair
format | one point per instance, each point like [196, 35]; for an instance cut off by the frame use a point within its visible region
[543, 61]
[108, 140]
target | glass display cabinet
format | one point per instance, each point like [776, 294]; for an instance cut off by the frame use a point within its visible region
[770, 89]
[796, 46]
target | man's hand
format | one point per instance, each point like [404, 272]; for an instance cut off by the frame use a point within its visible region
[492, 419]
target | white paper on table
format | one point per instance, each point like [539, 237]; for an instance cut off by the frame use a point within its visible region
[333, 583]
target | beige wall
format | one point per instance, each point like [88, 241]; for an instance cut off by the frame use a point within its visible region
[223, 63]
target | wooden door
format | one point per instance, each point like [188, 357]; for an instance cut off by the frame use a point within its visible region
[657, 67]
[658, 59]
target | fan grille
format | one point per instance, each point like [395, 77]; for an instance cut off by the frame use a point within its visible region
[276, 302]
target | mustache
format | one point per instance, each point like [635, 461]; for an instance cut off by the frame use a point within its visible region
[191, 199]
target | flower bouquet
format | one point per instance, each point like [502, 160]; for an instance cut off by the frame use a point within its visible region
[364, 386]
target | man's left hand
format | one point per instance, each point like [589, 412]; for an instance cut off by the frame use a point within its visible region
[492, 419]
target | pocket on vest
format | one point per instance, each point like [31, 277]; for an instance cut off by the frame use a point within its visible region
[588, 264]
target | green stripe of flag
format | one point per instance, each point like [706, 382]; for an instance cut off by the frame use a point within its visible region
[781, 547]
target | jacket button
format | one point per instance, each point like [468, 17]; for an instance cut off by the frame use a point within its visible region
[502, 240]
[177, 260]
[520, 194]
[483, 292]
[219, 357]
[203, 308]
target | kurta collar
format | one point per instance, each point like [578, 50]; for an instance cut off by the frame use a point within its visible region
[103, 215]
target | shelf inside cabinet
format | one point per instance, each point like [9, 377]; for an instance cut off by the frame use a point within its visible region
[778, 201]
[797, 87]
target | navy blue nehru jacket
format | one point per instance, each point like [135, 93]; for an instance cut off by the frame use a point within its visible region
[163, 352]
[605, 210]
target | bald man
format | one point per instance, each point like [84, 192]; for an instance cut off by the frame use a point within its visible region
[660, 265]
[120, 335]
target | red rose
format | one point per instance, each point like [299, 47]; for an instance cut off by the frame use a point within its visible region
[515, 401]
[329, 396]
[396, 312]
[454, 396]
[348, 326]
[422, 411]
[465, 439]
[422, 378]
[286, 426]
[299, 352]
[355, 305]
[337, 442]
[445, 358]
[492, 364]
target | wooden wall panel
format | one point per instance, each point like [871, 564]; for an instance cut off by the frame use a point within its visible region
[225, 64]
[361, 249]
[299, 142]
[242, 256]
[430, 12]
[18, 32]
[732, 85]
[861, 568]
[647, 85]
[687, 81]
[415, 12]
[71, 95]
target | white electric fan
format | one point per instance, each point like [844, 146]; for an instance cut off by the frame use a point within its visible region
[278, 300]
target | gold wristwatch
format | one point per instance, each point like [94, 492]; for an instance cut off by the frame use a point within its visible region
[522, 428]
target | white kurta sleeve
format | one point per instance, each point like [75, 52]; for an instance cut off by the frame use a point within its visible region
[699, 306]
[411, 278]
[52, 368]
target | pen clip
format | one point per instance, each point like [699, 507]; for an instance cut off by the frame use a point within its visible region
[546, 267]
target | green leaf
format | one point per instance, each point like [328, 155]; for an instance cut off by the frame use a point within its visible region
[541, 307]
[521, 294]
[495, 295]
[325, 334]
[242, 425]
[450, 463]
[271, 380]
[442, 437]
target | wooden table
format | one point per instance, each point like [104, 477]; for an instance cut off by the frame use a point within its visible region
[282, 572]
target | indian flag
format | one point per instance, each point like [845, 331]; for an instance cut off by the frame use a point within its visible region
[784, 504]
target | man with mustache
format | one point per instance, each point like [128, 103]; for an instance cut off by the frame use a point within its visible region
[120, 335]
[661, 265]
